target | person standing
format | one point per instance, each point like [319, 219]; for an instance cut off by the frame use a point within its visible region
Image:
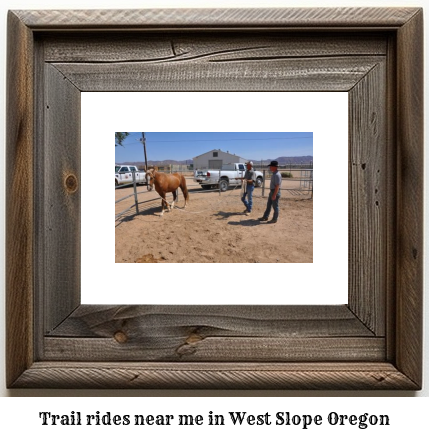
[250, 180]
[274, 196]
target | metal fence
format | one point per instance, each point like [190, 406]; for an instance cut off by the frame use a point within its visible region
[183, 169]
[305, 186]
[136, 203]
[285, 167]
[305, 182]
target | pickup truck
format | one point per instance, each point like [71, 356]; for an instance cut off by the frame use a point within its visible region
[124, 175]
[229, 175]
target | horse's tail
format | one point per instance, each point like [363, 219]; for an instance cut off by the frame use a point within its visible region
[184, 189]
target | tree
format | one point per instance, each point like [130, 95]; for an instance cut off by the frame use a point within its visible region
[120, 137]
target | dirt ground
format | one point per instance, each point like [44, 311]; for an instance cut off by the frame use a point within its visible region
[213, 228]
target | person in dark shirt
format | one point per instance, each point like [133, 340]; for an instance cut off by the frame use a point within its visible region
[250, 180]
[274, 196]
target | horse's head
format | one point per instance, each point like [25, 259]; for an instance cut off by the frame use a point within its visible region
[150, 179]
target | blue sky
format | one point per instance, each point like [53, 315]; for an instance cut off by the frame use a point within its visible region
[185, 146]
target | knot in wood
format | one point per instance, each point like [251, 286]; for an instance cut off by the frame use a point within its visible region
[193, 338]
[71, 183]
[120, 337]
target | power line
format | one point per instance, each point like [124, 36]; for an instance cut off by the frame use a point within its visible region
[228, 140]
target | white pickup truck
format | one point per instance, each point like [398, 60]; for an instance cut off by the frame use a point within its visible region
[229, 175]
[124, 175]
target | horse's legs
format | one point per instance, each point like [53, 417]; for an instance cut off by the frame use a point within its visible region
[184, 189]
[174, 199]
[163, 202]
[185, 194]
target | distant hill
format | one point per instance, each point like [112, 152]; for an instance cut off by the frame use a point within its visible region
[160, 163]
[282, 160]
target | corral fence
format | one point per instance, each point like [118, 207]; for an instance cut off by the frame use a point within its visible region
[304, 177]
[135, 194]
[285, 167]
[305, 185]
[185, 170]
[189, 169]
[305, 180]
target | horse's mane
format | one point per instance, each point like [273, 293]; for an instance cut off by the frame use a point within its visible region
[151, 172]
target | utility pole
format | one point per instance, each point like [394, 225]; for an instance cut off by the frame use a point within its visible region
[144, 148]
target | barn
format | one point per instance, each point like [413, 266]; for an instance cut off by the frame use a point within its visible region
[214, 159]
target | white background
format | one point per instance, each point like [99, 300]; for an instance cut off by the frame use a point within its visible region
[408, 419]
[324, 114]
[410, 414]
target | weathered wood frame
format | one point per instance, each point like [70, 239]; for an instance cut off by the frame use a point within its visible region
[374, 342]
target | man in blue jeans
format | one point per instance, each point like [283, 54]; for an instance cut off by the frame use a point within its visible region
[274, 196]
[250, 180]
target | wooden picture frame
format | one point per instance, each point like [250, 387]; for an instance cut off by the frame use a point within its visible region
[373, 342]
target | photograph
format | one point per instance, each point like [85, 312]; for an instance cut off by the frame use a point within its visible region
[217, 197]
[211, 139]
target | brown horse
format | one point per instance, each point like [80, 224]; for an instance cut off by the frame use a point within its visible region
[167, 183]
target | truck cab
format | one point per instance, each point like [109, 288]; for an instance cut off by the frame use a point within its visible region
[229, 175]
[124, 174]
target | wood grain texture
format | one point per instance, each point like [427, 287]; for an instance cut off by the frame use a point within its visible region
[207, 18]
[226, 46]
[99, 321]
[61, 207]
[330, 74]
[409, 283]
[19, 200]
[189, 347]
[193, 348]
[213, 333]
[391, 192]
[368, 202]
[341, 376]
